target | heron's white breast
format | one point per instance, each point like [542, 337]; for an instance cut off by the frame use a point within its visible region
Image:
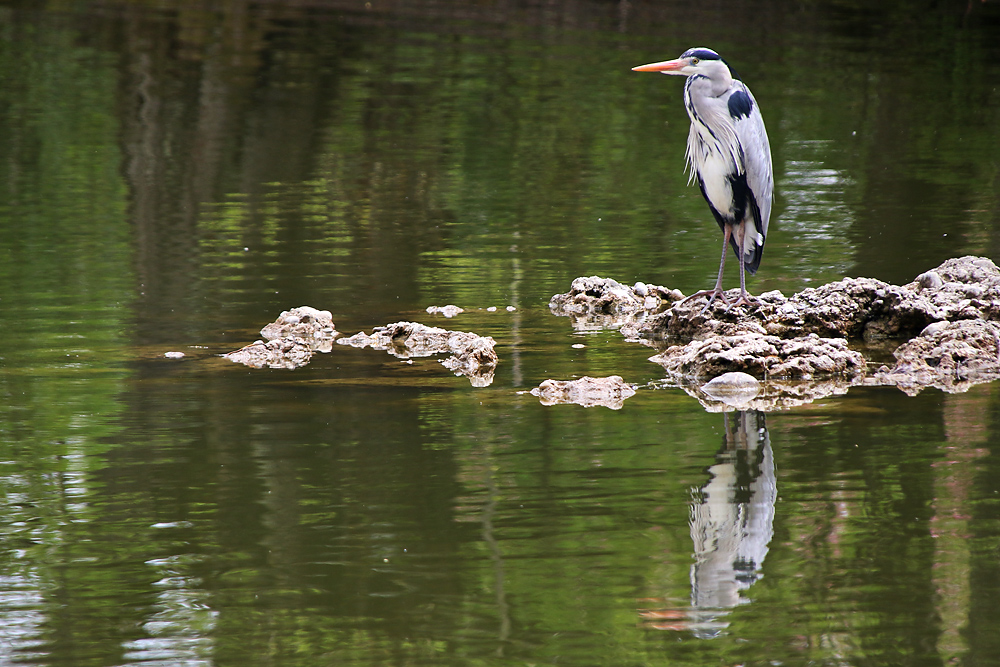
[714, 170]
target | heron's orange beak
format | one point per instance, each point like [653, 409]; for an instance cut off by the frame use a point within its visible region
[665, 66]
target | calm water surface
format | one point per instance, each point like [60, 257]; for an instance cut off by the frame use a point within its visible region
[175, 174]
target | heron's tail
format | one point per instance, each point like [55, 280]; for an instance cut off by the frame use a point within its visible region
[752, 237]
[751, 258]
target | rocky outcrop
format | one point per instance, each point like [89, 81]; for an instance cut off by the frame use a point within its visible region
[287, 353]
[303, 322]
[291, 340]
[949, 316]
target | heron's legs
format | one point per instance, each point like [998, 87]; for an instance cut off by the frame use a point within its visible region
[745, 298]
[717, 291]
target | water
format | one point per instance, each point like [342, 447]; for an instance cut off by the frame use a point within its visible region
[173, 177]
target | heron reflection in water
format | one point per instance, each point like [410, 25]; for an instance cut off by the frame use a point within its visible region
[731, 519]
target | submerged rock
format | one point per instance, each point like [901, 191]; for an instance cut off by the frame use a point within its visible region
[773, 394]
[471, 355]
[951, 356]
[287, 353]
[610, 392]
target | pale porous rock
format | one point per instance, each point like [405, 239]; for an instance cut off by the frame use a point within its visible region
[603, 303]
[291, 340]
[471, 355]
[303, 322]
[609, 392]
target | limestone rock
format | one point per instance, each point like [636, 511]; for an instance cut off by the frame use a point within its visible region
[610, 392]
[471, 355]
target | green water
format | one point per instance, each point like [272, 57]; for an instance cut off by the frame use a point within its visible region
[174, 175]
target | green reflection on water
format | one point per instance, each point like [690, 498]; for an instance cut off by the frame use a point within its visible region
[65, 266]
[363, 510]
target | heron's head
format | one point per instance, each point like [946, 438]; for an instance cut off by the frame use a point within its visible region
[698, 60]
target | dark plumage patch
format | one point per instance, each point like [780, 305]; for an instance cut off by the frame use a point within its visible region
[701, 53]
[740, 105]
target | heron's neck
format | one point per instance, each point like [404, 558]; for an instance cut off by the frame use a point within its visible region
[715, 86]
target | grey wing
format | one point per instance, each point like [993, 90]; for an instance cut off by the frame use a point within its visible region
[748, 126]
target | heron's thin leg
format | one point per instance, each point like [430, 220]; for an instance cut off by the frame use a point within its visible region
[717, 291]
[744, 297]
[722, 262]
[743, 279]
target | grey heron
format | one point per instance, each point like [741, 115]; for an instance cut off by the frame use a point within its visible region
[728, 152]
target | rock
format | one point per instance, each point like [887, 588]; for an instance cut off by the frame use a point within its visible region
[307, 323]
[602, 303]
[292, 339]
[448, 311]
[734, 388]
[474, 359]
[174, 355]
[929, 280]
[857, 308]
[610, 392]
[471, 355]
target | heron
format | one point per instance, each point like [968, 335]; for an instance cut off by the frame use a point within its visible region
[728, 152]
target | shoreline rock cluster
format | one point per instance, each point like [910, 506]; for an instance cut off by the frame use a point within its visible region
[948, 320]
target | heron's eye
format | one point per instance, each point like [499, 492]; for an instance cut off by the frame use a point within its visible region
[694, 61]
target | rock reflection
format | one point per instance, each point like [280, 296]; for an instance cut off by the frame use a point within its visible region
[731, 521]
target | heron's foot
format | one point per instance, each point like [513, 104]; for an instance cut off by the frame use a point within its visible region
[745, 300]
[712, 294]
[717, 293]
